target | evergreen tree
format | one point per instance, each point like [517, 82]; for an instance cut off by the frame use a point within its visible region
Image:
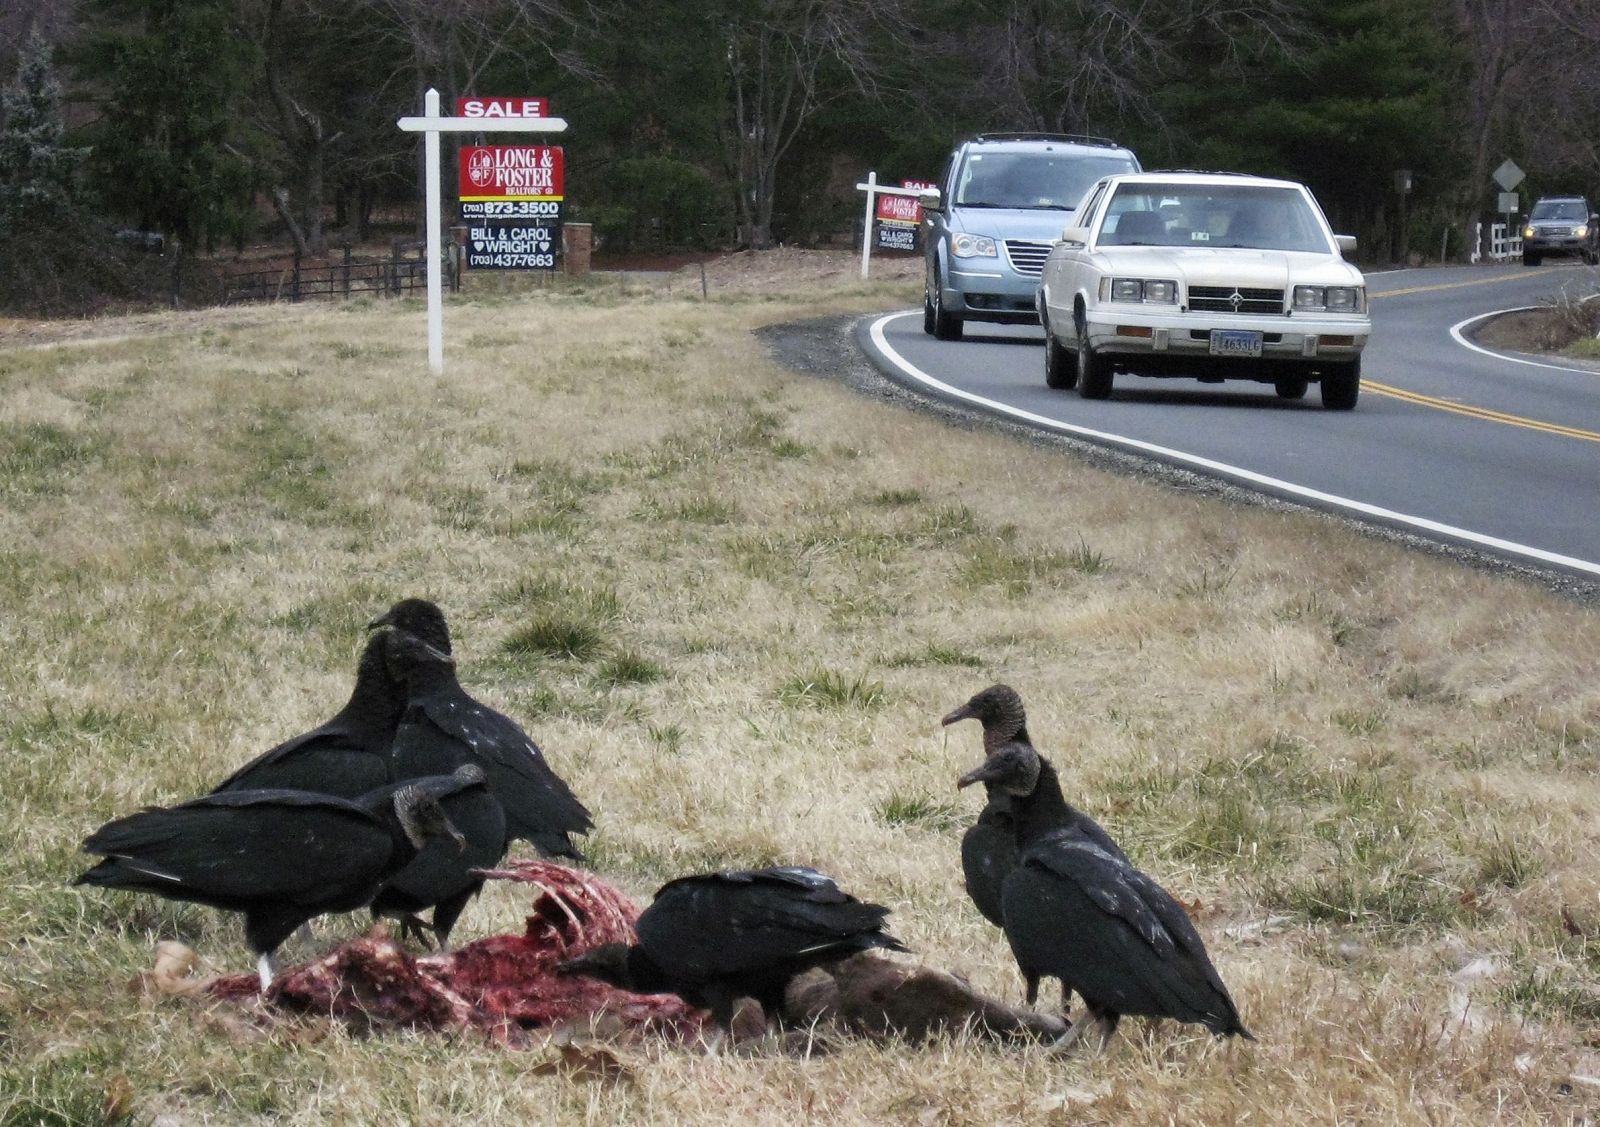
[36, 166]
[168, 150]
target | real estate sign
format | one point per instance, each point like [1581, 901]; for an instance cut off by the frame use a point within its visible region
[513, 246]
[899, 218]
[525, 173]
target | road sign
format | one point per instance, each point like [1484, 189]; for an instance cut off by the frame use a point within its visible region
[1508, 176]
[1509, 202]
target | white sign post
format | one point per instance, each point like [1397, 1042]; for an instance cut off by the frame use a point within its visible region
[874, 190]
[430, 125]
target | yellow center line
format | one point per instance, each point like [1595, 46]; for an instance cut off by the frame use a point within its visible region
[1491, 281]
[1461, 408]
[1479, 412]
[1447, 286]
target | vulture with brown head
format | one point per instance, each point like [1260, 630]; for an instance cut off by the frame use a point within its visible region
[1074, 906]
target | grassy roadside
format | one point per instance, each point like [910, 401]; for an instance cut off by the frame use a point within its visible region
[732, 602]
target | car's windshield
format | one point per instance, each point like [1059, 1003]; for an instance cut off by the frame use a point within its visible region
[1033, 180]
[1211, 215]
[1558, 209]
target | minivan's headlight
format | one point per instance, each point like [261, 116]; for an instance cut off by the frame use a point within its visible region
[972, 246]
[1581, 232]
[1159, 291]
[1332, 299]
[1527, 232]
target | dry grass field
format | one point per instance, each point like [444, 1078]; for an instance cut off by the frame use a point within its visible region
[732, 602]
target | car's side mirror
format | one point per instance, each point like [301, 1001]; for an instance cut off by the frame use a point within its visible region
[930, 199]
[1346, 244]
[1079, 235]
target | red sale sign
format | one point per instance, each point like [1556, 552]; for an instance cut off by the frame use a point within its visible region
[502, 107]
[902, 209]
[512, 172]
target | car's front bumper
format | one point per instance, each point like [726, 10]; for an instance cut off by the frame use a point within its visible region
[1555, 246]
[1136, 336]
[984, 290]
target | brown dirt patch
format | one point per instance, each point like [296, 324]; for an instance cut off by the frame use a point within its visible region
[1526, 330]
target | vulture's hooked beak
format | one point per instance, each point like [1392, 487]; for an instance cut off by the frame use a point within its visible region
[984, 772]
[963, 713]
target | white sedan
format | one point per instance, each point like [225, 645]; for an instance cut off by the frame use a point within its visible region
[1213, 276]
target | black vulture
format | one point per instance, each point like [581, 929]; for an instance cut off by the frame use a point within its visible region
[349, 755]
[1076, 908]
[989, 853]
[440, 876]
[719, 937]
[280, 857]
[443, 728]
[989, 848]
[420, 619]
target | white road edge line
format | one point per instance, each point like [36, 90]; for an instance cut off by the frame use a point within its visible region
[1222, 468]
[1457, 331]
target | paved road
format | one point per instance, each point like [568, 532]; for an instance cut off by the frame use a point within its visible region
[1449, 440]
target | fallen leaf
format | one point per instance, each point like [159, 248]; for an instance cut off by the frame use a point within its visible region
[118, 1103]
[578, 1063]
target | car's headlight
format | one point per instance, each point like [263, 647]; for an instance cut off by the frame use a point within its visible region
[1527, 232]
[972, 246]
[1157, 291]
[1331, 299]
[1581, 232]
[1344, 299]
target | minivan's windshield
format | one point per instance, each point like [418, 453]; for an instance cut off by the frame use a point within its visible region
[1558, 209]
[1211, 215]
[1034, 179]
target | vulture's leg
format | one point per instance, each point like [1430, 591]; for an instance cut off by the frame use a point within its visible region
[1074, 1031]
[266, 967]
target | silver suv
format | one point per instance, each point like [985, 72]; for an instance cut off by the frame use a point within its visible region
[1560, 225]
[999, 208]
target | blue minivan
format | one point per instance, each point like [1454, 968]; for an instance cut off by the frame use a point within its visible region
[999, 208]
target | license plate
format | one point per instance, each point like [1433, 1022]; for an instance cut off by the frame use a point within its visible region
[1235, 342]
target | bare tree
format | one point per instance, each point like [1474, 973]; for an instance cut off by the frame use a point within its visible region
[449, 44]
[1561, 115]
[290, 112]
[1066, 65]
[1503, 40]
[783, 62]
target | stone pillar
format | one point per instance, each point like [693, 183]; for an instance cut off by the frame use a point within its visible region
[577, 244]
